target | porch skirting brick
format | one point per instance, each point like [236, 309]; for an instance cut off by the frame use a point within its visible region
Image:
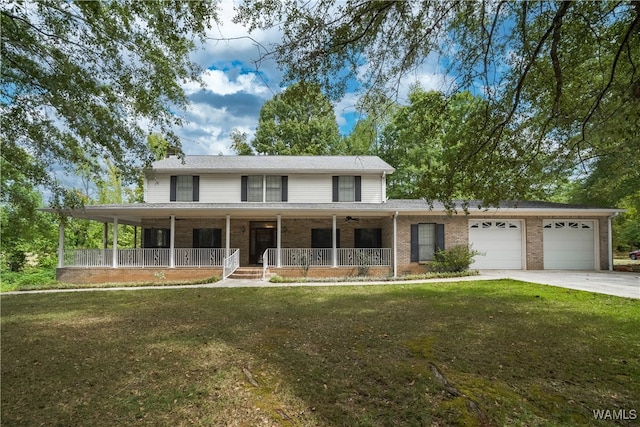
[96, 275]
[331, 272]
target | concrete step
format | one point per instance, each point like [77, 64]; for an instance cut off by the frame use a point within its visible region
[247, 273]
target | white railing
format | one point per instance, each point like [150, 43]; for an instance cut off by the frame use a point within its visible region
[199, 257]
[143, 257]
[146, 257]
[345, 257]
[88, 258]
[231, 263]
[364, 257]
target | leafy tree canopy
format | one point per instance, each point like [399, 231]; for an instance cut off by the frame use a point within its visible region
[431, 143]
[78, 77]
[562, 78]
[298, 121]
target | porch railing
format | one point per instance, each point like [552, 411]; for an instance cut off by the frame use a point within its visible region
[231, 263]
[307, 257]
[188, 257]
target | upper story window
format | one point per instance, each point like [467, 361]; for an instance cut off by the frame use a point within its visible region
[184, 188]
[269, 188]
[347, 189]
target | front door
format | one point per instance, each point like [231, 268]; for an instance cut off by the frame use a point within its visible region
[261, 240]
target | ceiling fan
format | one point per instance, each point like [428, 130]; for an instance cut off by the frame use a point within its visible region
[350, 218]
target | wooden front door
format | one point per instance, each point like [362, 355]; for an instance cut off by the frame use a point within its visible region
[261, 240]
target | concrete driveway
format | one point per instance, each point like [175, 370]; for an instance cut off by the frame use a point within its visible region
[616, 283]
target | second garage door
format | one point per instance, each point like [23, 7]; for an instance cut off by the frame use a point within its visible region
[499, 241]
[569, 244]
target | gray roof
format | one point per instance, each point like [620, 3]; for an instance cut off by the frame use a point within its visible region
[275, 164]
[133, 213]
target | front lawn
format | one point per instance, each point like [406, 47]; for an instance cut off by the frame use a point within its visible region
[467, 353]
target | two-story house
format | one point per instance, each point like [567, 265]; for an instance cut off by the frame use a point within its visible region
[321, 216]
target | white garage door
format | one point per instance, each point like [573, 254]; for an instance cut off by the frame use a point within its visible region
[569, 244]
[499, 241]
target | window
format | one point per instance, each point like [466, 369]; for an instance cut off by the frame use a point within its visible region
[347, 188]
[367, 238]
[425, 240]
[184, 188]
[254, 188]
[274, 188]
[322, 238]
[257, 188]
[156, 237]
[207, 238]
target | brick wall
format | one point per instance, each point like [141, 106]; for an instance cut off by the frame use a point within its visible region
[534, 243]
[134, 275]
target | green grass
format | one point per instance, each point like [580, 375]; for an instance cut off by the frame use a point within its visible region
[516, 353]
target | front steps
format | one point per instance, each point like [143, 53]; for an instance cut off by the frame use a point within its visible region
[251, 273]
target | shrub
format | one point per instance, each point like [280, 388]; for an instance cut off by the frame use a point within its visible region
[455, 259]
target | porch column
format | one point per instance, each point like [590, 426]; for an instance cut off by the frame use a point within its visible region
[395, 245]
[114, 264]
[105, 242]
[172, 239]
[227, 236]
[278, 239]
[334, 239]
[61, 245]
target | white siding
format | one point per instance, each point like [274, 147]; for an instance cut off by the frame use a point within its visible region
[310, 188]
[220, 188]
[371, 189]
[157, 189]
[226, 188]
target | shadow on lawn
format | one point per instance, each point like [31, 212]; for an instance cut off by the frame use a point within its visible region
[320, 356]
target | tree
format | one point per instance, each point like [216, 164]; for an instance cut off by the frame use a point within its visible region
[426, 139]
[298, 121]
[24, 229]
[563, 77]
[79, 77]
[240, 143]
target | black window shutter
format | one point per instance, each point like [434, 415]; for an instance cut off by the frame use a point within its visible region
[172, 190]
[285, 188]
[147, 238]
[335, 188]
[196, 238]
[440, 237]
[415, 254]
[358, 184]
[196, 188]
[244, 181]
[378, 237]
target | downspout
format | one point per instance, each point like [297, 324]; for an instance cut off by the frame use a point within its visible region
[610, 239]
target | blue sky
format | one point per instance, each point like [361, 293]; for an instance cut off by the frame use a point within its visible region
[234, 90]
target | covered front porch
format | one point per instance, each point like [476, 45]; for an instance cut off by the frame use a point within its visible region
[329, 245]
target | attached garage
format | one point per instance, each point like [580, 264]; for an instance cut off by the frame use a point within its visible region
[569, 244]
[499, 241]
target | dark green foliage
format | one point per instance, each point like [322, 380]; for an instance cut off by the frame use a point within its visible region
[79, 76]
[298, 121]
[455, 259]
